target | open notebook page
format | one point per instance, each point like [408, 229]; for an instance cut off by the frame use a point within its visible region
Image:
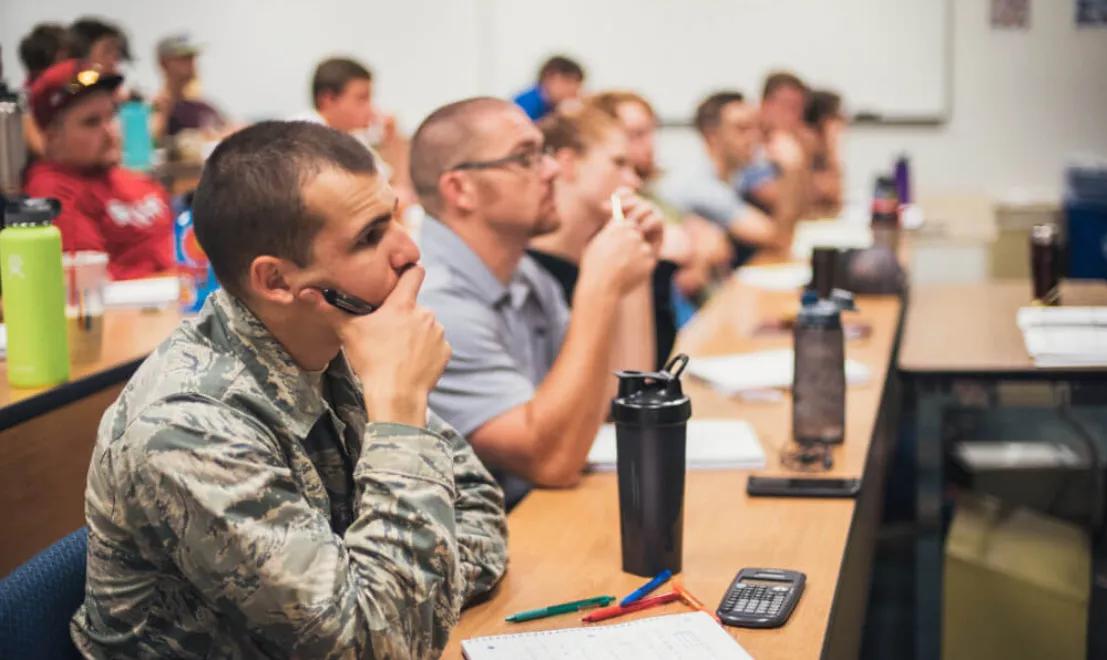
[692, 636]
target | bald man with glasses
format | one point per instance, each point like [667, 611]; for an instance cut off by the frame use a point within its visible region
[526, 384]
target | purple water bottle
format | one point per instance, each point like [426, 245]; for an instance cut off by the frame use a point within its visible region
[903, 179]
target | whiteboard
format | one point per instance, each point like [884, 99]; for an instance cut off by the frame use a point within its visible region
[887, 57]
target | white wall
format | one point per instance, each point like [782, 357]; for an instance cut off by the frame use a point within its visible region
[1022, 101]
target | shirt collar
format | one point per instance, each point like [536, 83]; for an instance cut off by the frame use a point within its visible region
[442, 246]
[284, 384]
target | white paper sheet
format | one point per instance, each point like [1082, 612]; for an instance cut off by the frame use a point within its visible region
[713, 444]
[782, 277]
[693, 636]
[731, 374]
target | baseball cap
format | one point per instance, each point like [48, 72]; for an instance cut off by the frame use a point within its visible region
[178, 45]
[65, 82]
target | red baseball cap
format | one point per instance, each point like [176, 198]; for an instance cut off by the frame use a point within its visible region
[63, 83]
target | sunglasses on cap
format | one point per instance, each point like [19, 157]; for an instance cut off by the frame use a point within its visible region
[90, 78]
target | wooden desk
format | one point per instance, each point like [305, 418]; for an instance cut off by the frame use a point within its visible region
[969, 329]
[961, 333]
[565, 545]
[47, 435]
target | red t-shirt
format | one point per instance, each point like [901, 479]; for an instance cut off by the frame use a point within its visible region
[125, 214]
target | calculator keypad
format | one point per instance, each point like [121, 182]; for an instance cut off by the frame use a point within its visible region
[755, 601]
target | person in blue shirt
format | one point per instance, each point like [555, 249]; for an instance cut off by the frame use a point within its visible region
[559, 79]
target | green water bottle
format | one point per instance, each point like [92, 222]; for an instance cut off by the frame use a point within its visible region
[34, 294]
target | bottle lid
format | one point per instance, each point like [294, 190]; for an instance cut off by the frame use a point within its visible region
[1043, 234]
[31, 212]
[652, 398]
[809, 297]
[843, 299]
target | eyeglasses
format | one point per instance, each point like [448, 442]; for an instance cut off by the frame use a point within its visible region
[526, 159]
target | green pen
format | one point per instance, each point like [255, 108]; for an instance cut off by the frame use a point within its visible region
[564, 608]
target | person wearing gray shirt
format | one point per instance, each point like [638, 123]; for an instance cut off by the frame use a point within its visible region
[527, 384]
[729, 128]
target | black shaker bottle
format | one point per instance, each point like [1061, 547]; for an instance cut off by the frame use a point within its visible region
[1045, 264]
[819, 376]
[651, 415]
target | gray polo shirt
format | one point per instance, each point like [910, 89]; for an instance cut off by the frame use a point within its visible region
[696, 188]
[504, 338]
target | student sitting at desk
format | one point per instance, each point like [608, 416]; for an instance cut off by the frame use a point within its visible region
[590, 147]
[825, 126]
[783, 102]
[728, 126]
[271, 482]
[177, 107]
[559, 81]
[527, 385]
[711, 251]
[342, 98]
[105, 207]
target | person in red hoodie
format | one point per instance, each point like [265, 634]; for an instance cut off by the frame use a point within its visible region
[104, 207]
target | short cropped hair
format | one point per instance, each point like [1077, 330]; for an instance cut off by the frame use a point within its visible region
[332, 75]
[561, 65]
[780, 80]
[41, 47]
[445, 138]
[250, 200]
[709, 113]
[86, 31]
[821, 105]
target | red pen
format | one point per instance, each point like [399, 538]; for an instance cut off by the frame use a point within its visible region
[605, 613]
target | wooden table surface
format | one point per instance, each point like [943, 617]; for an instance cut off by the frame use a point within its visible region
[970, 328]
[564, 545]
[129, 335]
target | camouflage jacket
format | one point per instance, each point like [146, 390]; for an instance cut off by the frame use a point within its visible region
[235, 512]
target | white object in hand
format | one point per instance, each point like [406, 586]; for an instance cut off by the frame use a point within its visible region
[617, 208]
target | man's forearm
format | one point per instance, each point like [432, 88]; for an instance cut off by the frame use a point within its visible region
[572, 401]
[789, 204]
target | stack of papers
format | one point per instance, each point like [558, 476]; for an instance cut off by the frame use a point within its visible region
[153, 293]
[733, 374]
[713, 444]
[782, 277]
[1058, 337]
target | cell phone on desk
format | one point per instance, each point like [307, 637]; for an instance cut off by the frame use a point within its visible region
[802, 487]
[348, 303]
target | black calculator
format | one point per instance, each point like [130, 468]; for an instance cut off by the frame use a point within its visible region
[761, 598]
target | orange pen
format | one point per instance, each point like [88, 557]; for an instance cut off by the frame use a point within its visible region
[606, 613]
[693, 602]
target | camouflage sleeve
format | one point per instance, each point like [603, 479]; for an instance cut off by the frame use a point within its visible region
[215, 490]
[479, 510]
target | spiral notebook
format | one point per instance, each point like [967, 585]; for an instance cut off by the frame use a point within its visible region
[690, 636]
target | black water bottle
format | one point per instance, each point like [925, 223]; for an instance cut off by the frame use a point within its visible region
[819, 376]
[651, 419]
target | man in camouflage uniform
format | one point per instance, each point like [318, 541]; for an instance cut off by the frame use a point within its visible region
[271, 482]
